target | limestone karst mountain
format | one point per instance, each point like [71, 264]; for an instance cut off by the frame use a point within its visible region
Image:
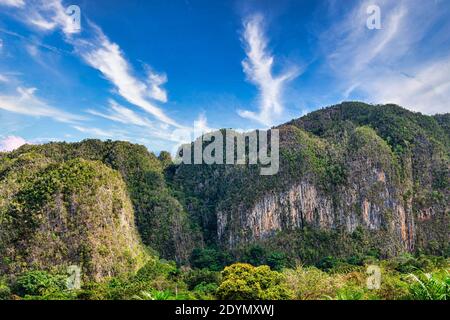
[354, 178]
[371, 177]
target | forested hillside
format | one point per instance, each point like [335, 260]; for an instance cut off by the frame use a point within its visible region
[357, 184]
[354, 178]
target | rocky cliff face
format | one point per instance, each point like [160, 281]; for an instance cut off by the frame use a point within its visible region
[55, 215]
[160, 219]
[378, 168]
[370, 198]
[304, 205]
[354, 178]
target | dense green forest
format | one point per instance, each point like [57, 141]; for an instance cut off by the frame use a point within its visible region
[405, 277]
[359, 185]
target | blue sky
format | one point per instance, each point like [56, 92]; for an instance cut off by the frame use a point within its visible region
[151, 72]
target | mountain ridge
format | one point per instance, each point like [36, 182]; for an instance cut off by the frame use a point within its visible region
[354, 178]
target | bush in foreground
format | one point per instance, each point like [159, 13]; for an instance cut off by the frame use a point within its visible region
[242, 281]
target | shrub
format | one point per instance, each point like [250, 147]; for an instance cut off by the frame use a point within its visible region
[277, 261]
[209, 258]
[407, 263]
[355, 260]
[393, 286]
[93, 291]
[311, 283]
[155, 268]
[242, 281]
[54, 295]
[194, 278]
[5, 292]
[205, 291]
[156, 275]
[36, 283]
[327, 263]
[255, 255]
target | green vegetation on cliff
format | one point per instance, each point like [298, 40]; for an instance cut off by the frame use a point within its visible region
[53, 215]
[358, 185]
[161, 221]
[377, 168]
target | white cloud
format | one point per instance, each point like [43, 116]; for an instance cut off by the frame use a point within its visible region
[258, 69]
[3, 78]
[123, 115]
[351, 46]
[48, 15]
[28, 104]
[155, 81]
[426, 90]
[11, 143]
[12, 3]
[107, 57]
[38, 21]
[95, 48]
[201, 126]
[388, 65]
[98, 132]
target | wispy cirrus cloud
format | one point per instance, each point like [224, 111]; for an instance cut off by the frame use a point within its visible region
[258, 67]
[155, 82]
[99, 52]
[427, 90]
[43, 15]
[96, 49]
[143, 129]
[107, 57]
[98, 132]
[119, 113]
[391, 65]
[26, 103]
[351, 46]
[13, 3]
[48, 15]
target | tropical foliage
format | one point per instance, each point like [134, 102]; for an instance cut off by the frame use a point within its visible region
[140, 227]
